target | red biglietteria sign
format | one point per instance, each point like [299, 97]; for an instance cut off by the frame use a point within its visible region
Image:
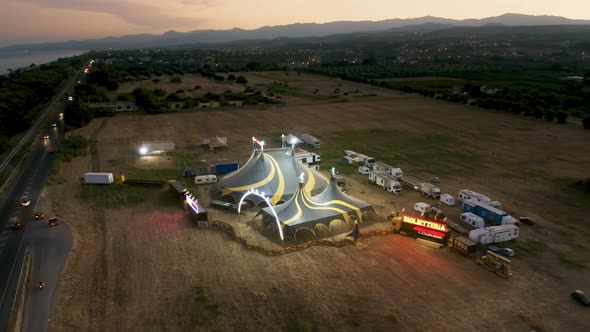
[426, 223]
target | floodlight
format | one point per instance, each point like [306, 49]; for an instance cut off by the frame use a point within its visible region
[143, 150]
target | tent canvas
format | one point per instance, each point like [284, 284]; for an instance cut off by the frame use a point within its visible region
[274, 172]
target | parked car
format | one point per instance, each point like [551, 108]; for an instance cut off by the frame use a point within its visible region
[502, 251]
[25, 202]
[16, 226]
[527, 220]
[45, 136]
[579, 296]
[435, 179]
[38, 216]
[53, 221]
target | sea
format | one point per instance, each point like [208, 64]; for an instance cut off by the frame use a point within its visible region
[19, 59]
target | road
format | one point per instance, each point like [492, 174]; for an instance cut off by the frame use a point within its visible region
[50, 246]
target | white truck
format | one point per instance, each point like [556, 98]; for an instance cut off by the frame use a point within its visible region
[362, 159]
[385, 181]
[494, 234]
[310, 140]
[96, 178]
[393, 171]
[430, 190]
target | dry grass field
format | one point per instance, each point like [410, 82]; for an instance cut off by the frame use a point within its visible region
[143, 266]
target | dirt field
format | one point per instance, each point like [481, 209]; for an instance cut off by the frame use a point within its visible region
[147, 267]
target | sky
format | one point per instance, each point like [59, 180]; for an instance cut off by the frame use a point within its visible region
[33, 21]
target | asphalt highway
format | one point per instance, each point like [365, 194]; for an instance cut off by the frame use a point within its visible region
[50, 245]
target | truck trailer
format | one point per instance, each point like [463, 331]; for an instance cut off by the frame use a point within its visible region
[96, 178]
[411, 182]
[496, 263]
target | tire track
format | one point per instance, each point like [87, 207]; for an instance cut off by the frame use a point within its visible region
[97, 311]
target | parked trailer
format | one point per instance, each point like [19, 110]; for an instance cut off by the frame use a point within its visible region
[466, 194]
[411, 182]
[430, 190]
[488, 213]
[462, 245]
[447, 199]
[494, 234]
[472, 220]
[96, 178]
[142, 182]
[310, 140]
[496, 263]
[203, 179]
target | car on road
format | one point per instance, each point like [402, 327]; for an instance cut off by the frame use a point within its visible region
[16, 226]
[579, 296]
[53, 221]
[45, 136]
[25, 202]
[527, 220]
[53, 125]
[39, 216]
[435, 179]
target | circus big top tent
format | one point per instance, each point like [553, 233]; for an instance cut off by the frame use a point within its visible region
[274, 172]
[303, 211]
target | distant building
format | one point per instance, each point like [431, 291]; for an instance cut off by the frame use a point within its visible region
[115, 106]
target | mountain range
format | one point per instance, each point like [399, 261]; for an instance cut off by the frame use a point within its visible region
[176, 39]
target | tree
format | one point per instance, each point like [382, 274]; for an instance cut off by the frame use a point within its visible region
[231, 77]
[241, 79]
[549, 115]
[561, 117]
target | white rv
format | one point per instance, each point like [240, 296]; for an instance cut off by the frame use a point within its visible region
[494, 234]
[447, 199]
[421, 207]
[202, 179]
[473, 220]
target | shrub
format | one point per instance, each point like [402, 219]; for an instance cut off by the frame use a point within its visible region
[561, 117]
[175, 80]
[241, 79]
[549, 115]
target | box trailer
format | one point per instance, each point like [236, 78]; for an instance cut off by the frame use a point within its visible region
[411, 182]
[393, 171]
[96, 178]
[385, 181]
[494, 234]
[421, 207]
[462, 245]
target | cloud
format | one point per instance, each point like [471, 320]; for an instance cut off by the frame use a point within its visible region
[154, 14]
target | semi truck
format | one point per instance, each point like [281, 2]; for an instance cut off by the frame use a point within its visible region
[362, 159]
[489, 213]
[462, 245]
[96, 178]
[494, 234]
[385, 181]
[430, 190]
[496, 263]
[393, 171]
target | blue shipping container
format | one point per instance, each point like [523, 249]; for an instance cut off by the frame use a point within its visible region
[488, 213]
[226, 168]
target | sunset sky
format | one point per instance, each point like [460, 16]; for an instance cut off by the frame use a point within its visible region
[24, 21]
